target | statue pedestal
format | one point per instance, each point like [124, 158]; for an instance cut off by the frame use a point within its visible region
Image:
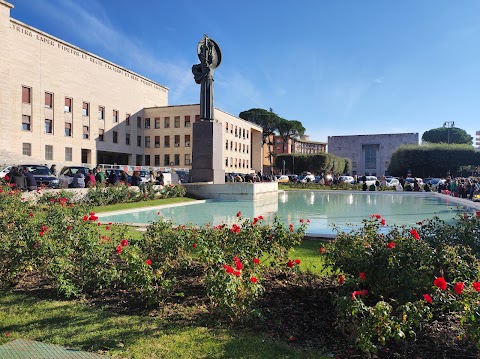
[207, 151]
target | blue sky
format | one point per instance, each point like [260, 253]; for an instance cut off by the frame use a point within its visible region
[340, 67]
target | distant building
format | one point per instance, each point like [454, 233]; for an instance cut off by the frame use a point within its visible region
[370, 154]
[277, 146]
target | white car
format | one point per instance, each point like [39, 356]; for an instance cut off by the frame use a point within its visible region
[392, 182]
[346, 179]
[307, 178]
[370, 180]
[4, 171]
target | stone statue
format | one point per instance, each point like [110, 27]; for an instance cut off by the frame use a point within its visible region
[210, 58]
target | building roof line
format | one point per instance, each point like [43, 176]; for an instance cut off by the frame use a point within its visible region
[63, 42]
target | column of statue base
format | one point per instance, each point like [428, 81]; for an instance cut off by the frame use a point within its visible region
[207, 153]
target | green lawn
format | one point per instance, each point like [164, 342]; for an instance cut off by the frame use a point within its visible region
[75, 325]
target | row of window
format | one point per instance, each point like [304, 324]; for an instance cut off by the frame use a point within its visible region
[27, 151]
[238, 131]
[236, 162]
[239, 147]
[166, 122]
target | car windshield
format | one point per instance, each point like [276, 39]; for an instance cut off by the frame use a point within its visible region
[39, 170]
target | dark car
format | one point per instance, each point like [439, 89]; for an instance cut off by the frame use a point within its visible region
[43, 176]
[108, 171]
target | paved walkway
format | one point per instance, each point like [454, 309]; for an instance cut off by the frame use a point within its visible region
[30, 349]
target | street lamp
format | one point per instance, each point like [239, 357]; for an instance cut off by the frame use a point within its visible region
[448, 125]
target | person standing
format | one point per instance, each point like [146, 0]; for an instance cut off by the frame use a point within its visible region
[53, 169]
[17, 179]
[31, 183]
[99, 176]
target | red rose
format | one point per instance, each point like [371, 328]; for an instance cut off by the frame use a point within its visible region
[322, 250]
[124, 243]
[260, 217]
[362, 276]
[440, 283]
[85, 218]
[290, 264]
[239, 265]
[383, 222]
[391, 245]
[427, 298]
[7, 334]
[458, 287]
[292, 339]
[239, 214]
[297, 261]
[476, 286]
[30, 214]
[301, 221]
[237, 273]
[148, 262]
[228, 269]
[119, 249]
[341, 279]
[308, 221]
[415, 234]
[253, 280]
[194, 245]
[107, 228]
[69, 228]
[256, 260]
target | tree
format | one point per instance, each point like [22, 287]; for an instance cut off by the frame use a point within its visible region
[447, 135]
[268, 120]
[289, 129]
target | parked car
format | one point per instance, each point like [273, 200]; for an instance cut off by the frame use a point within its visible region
[411, 180]
[306, 177]
[42, 175]
[283, 179]
[434, 182]
[346, 179]
[108, 171]
[67, 173]
[4, 171]
[391, 182]
[145, 176]
[370, 180]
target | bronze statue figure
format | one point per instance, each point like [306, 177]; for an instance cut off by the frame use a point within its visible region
[210, 58]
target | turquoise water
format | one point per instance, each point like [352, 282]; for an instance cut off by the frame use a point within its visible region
[322, 208]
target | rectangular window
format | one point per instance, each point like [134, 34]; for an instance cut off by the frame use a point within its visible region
[48, 100]
[187, 121]
[26, 94]
[147, 141]
[166, 122]
[243, 146]
[177, 122]
[197, 118]
[139, 122]
[226, 127]
[48, 152]
[68, 105]
[115, 116]
[187, 140]
[236, 131]
[138, 161]
[85, 111]
[157, 141]
[166, 160]
[226, 144]
[48, 126]
[127, 139]
[176, 160]
[187, 159]
[147, 160]
[68, 154]
[127, 120]
[247, 148]
[68, 129]
[177, 140]
[157, 160]
[231, 145]
[166, 141]
[370, 157]
[247, 133]
[101, 134]
[86, 132]
[157, 122]
[235, 147]
[226, 161]
[147, 123]
[139, 141]
[231, 162]
[243, 133]
[26, 124]
[27, 149]
[101, 113]
[115, 136]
